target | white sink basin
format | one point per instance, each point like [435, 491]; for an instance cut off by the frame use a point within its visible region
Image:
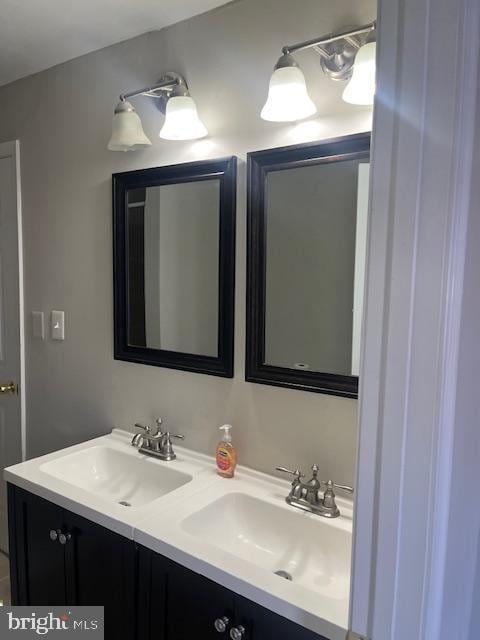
[315, 554]
[116, 476]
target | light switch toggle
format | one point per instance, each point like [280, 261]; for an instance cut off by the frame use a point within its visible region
[58, 325]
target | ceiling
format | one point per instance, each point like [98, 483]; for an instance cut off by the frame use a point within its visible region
[38, 34]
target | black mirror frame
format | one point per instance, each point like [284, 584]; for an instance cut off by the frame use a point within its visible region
[225, 169]
[259, 163]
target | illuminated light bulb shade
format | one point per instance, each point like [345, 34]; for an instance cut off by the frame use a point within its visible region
[182, 121]
[127, 130]
[288, 98]
[361, 88]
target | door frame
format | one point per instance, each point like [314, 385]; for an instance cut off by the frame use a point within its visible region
[420, 204]
[11, 149]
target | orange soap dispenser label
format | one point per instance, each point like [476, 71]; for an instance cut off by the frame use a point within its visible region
[225, 458]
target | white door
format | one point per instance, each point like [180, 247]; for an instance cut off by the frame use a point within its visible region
[10, 327]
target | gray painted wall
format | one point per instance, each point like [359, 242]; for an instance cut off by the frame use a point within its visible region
[75, 390]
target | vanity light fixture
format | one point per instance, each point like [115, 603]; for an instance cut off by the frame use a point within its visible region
[127, 130]
[172, 98]
[361, 88]
[288, 98]
[348, 56]
[181, 118]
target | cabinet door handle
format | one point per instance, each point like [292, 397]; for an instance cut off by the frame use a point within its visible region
[221, 624]
[58, 534]
[63, 538]
[237, 633]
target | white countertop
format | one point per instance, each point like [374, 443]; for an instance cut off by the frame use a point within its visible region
[181, 525]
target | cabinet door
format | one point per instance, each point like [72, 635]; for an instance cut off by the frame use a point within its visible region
[193, 605]
[37, 561]
[261, 624]
[151, 595]
[100, 570]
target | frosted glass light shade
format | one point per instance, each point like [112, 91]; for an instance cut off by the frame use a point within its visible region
[181, 120]
[288, 98]
[127, 130]
[361, 88]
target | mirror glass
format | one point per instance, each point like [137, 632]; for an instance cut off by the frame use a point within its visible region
[307, 233]
[315, 223]
[174, 266]
[172, 271]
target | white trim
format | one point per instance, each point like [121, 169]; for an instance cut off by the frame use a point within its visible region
[462, 163]
[12, 149]
[23, 380]
[422, 158]
[375, 300]
[451, 587]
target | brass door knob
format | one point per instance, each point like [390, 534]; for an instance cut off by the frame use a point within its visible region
[8, 387]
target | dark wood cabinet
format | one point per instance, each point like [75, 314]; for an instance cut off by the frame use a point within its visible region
[39, 577]
[100, 570]
[59, 558]
[175, 603]
[260, 623]
[192, 604]
[204, 600]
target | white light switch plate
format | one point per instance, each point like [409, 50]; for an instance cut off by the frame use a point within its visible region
[38, 324]
[58, 325]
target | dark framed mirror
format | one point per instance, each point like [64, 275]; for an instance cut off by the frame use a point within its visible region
[174, 266]
[306, 247]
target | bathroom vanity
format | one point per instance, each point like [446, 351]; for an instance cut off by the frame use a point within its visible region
[172, 550]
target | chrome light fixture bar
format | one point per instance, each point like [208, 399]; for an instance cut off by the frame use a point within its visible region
[347, 56]
[173, 99]
[165, 85]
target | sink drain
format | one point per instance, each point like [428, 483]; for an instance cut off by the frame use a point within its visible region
[283, 574]
[124, 503]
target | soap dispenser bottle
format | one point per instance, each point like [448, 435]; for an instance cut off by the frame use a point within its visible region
[226, 454]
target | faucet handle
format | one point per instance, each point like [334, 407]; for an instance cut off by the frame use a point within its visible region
[166, 444]
[342, 487]
[329, 496]
[143, 427]
[168, 437]
[297, 473]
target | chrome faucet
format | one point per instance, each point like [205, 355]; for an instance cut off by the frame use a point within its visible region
[155, 442]
[306, 495]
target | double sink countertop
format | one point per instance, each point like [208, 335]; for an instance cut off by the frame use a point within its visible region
[238, 532]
